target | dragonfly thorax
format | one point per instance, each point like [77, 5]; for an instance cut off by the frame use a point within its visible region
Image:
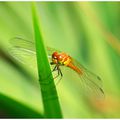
[61, 58]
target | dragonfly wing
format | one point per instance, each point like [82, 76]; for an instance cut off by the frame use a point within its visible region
[25, 56]
[18, 42]
[91, 83]
[24, 50]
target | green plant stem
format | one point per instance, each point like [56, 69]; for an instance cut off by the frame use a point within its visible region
[48, 89]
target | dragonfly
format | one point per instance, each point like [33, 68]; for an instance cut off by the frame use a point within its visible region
[24, 51]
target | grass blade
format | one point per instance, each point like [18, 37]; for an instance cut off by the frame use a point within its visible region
[9, 108]
[48, 90]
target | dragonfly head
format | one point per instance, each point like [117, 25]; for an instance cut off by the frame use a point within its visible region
[60, 58]
[55, 57]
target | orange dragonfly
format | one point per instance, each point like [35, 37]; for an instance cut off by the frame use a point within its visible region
[24, 50]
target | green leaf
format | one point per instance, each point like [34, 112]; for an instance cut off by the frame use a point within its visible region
[10, 108]
[48, 89]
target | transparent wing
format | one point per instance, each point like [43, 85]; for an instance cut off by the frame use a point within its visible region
[90, 83]
[18, 42]
[24, 51]
[25, 56]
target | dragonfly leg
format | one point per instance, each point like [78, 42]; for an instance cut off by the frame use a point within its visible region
[61, 75]
[56, 68]
[59, 72]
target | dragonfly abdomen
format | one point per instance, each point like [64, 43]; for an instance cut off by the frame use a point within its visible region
[72, 66]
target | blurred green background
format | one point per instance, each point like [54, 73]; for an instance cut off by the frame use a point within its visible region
[88, 31]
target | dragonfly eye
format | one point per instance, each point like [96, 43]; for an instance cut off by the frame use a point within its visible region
[55, 57]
